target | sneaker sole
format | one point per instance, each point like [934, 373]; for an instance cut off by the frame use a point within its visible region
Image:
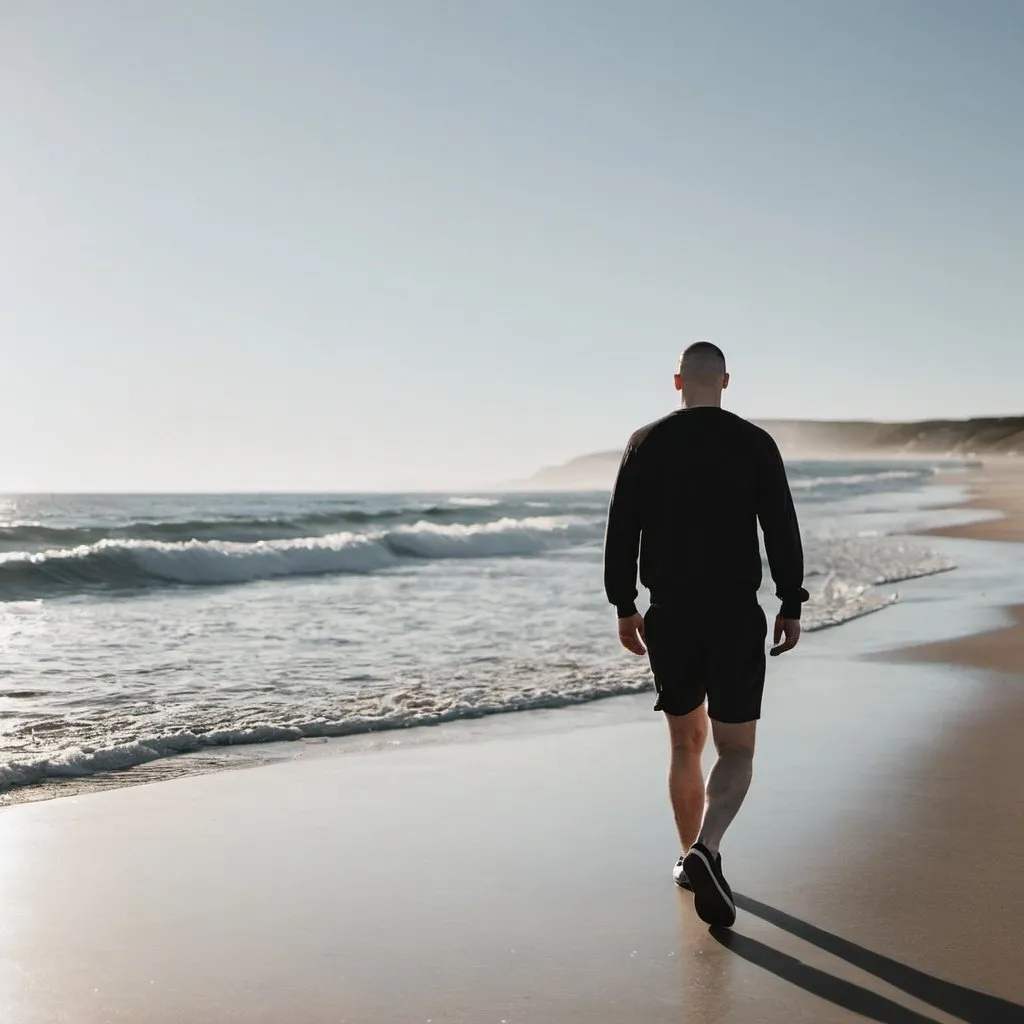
[683, 882]
[710, 900]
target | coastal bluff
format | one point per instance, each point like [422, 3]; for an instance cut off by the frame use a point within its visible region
[811, 439]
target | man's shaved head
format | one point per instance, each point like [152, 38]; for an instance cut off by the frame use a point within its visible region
[703, 363]
[702, 375]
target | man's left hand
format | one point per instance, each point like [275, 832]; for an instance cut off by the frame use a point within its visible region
[787, 635]
[631, 634]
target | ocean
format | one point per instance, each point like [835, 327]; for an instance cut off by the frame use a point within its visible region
[133, 628]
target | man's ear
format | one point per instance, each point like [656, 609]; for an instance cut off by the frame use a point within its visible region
[725, 382]
[678, 378]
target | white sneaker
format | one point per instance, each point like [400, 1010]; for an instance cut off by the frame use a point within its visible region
[679, 876]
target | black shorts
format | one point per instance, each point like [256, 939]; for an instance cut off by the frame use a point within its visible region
[716, 651]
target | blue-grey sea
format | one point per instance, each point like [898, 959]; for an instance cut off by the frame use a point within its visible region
[137, 627]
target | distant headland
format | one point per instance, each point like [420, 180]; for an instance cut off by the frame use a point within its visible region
[811, 439]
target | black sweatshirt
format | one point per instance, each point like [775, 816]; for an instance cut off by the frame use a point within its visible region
[690, 491]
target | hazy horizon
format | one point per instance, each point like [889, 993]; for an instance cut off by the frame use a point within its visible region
[524, 481]
[260, 247]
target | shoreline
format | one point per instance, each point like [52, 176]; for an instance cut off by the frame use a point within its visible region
[994, 650]
[996, 481]
[998, 485]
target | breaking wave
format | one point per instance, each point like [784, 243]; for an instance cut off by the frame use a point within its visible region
[131, 564]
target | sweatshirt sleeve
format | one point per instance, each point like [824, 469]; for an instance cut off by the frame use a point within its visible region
[622, 536]
[778, 520]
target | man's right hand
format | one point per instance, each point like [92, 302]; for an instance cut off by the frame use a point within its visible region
[788, 628]
[631, 634]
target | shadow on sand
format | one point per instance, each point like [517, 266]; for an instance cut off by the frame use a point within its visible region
[966, 1003]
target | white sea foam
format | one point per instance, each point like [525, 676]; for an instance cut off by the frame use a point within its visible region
[473, 502]
[401, 709]
[810, 483]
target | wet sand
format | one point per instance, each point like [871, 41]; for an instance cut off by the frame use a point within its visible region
[996, 650]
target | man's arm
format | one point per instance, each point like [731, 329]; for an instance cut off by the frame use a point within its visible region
[622, 536]
[785, 553]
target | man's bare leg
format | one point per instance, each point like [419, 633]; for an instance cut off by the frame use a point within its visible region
[727, 786]
[687, 735]
[729, 779]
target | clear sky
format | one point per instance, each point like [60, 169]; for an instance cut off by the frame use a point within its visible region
[340, 245]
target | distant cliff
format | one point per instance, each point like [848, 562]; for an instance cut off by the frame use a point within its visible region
[1001, 434]
[812, 439]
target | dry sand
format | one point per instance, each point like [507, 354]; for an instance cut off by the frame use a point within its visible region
[998, 484]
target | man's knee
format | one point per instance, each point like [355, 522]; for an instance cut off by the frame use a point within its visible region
[691, 742]
[735, 740]
[736, 761]
[688, 733]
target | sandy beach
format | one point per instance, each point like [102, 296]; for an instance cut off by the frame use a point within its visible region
[997, 484]
[517, 869]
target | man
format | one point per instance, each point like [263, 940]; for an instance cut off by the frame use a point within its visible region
[689, 494]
